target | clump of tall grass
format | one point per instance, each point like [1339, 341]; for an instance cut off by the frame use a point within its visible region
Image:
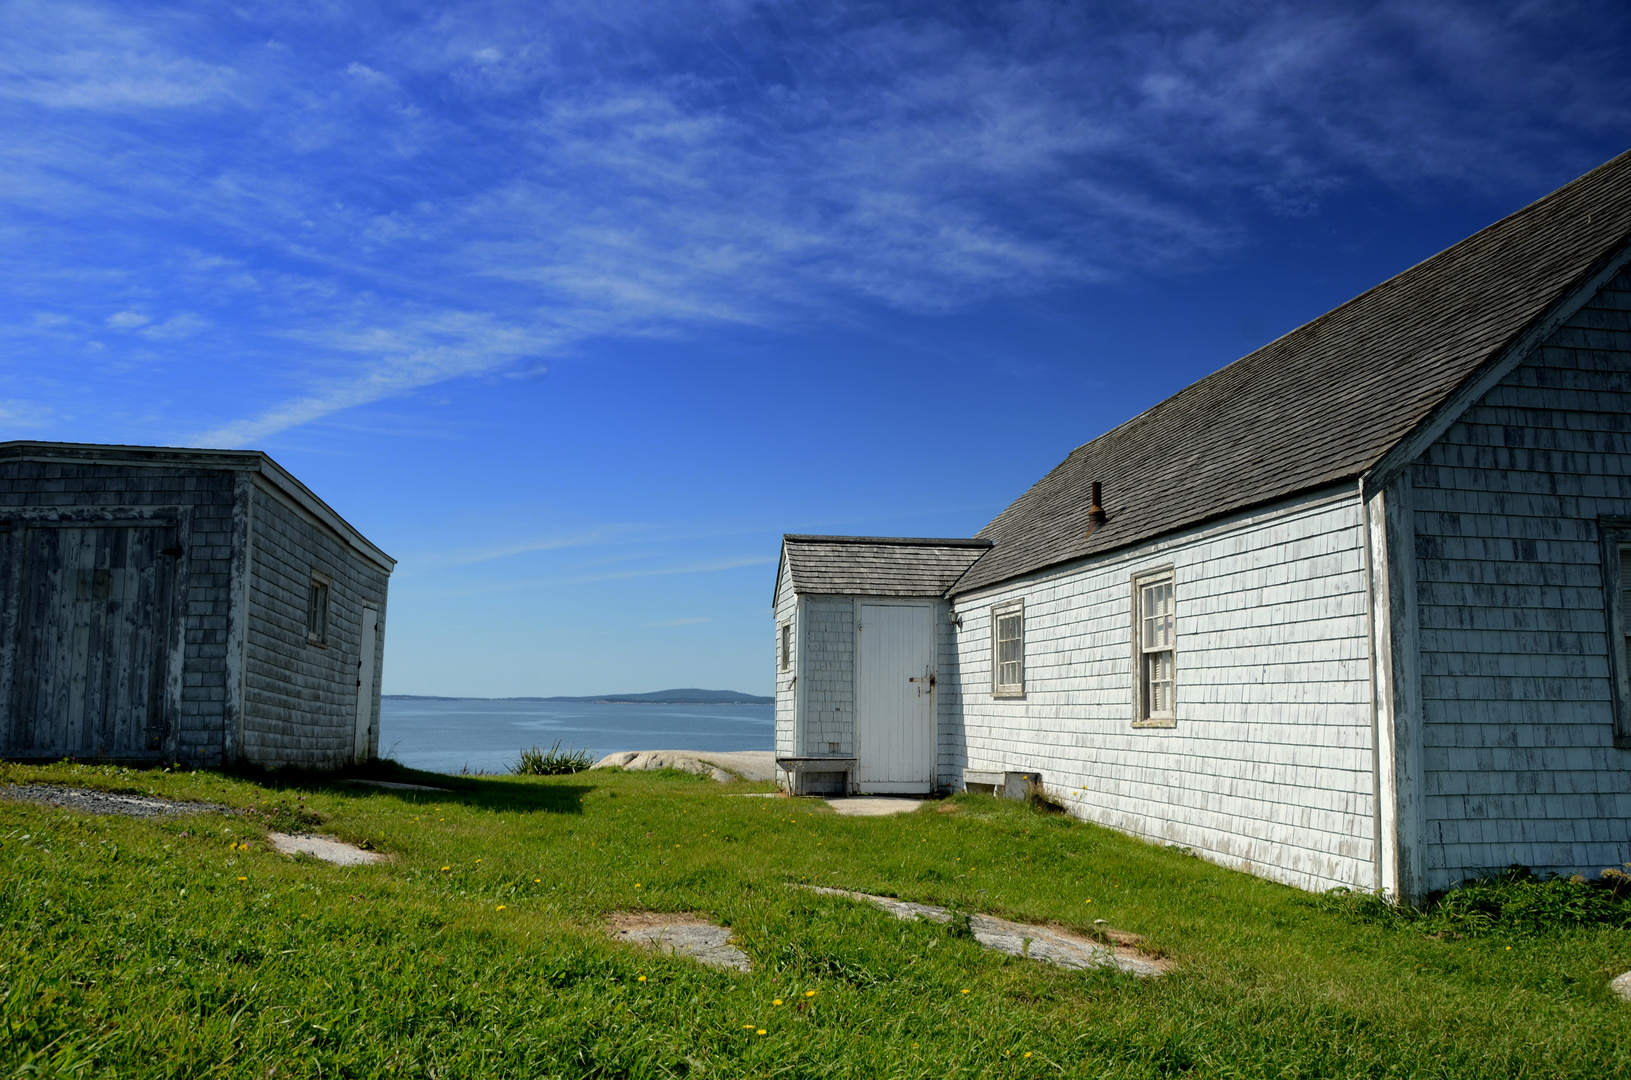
[552, 762]
[1516, 902]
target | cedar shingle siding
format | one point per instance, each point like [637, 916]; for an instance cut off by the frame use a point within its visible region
[1391, 535]
[155, 609]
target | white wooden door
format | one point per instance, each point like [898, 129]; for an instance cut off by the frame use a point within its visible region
[365, 680]
[894, 708]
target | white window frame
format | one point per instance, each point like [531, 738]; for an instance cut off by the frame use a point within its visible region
[319, 616]
[784, 646]
[1616, 538]
[1143, 715]
[999, 612]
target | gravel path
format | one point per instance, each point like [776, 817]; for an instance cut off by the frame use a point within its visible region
[105, 802]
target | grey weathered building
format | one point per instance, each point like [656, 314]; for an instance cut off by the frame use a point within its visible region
[200, 606]
[1351, 611]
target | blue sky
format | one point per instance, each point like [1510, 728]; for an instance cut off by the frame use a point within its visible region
[574, 308]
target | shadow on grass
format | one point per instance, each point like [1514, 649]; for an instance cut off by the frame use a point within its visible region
[509, 794]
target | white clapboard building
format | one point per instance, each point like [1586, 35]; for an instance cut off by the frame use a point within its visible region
[201, 606]
[1350, 611]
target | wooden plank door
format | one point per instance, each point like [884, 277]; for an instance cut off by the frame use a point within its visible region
[365, 681]
[92, 649]
[894, 708]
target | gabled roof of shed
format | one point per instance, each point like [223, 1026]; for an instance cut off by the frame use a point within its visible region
[876, 565]
[1326, 402]
[251, 461]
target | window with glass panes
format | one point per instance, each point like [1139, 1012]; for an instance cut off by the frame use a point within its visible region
[787, 646]
[317, 611]
[1008, 639]
[1157, 647]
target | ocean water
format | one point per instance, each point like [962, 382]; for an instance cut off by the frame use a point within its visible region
[486, 736]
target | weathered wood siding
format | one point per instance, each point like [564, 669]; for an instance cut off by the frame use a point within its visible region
[828, 675]
[38, 496]
[300, 698]
[1518, 761]
[786, 612]
[1269, 765]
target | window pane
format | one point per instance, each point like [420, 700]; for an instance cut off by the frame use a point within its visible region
[1010, 650]
[1158, 683]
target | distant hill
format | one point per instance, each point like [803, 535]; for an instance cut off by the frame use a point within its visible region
[689, 696]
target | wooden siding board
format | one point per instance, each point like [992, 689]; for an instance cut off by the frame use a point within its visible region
[1270, 766]
[785, 611]
[1517, 694]
[300, 698]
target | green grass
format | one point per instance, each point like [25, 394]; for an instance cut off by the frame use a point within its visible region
[137, 948]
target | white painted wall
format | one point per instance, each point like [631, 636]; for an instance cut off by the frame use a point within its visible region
[1518, 761]
[1269, 767]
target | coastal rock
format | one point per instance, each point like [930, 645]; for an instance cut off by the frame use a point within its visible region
[1622, 986]
[1045, 943]
[724, 767]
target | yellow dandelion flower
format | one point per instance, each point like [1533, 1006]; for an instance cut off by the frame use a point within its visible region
[778, 1001]
[809, 993]
[447, 868]
[499, 908]
[636, 884]
[537, 880]
[965, 991]
[642, 978]
[747, 1027]
[243, 879]
[761, 1031]
[1027, 1053]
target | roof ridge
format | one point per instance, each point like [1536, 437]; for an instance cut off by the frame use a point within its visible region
[1376, 289]
[1329, 399]
[899, 541]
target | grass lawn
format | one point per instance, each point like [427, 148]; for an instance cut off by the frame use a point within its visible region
[155, 947]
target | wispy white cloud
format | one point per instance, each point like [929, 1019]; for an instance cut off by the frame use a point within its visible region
[348, 210]
[707, 566]
[423, 562]
[23, 414]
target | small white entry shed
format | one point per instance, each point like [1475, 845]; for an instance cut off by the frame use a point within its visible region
[861, 625]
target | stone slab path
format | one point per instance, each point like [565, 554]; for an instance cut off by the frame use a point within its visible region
[681, 935]
[1020, 939]
[326, 848]
[873, 805]
[724, 767]
[105, 802]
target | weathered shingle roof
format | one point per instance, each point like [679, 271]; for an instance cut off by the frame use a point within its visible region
[1325, 402]
[877, 565]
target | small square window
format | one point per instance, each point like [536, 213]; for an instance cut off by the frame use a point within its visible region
[1155, 650]
[317, 611]
[787, 646]
[1008, 650]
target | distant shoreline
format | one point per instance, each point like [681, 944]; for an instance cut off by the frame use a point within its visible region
[660, 697]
